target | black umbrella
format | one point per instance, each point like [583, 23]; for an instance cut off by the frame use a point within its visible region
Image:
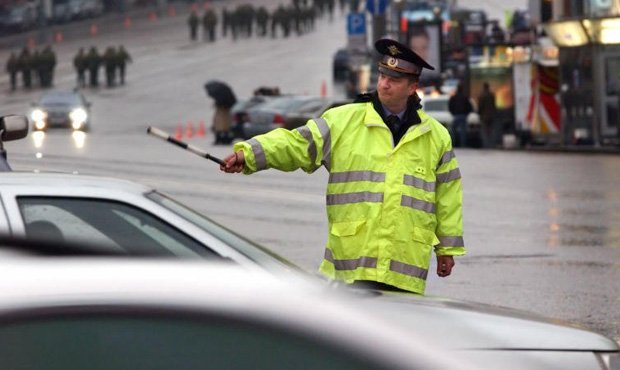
[221, 93]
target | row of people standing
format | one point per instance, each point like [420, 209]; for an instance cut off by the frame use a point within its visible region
[246, 20]
[114, 62]
[35, 67]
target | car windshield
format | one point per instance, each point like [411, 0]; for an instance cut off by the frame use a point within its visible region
[436, 105]
[253, 251]
[60, 99]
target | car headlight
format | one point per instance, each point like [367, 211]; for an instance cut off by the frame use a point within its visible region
[609, 360]
[38, 115]
[78, 117]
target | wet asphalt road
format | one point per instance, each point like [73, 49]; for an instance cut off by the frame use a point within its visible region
[542, 229]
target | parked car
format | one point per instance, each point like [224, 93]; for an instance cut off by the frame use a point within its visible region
[340, 65]
[61, 109]
[311, 109]
[270, 115]
[86, 8]
[437, 107]
[18, 18]
[118, 217]
[160, 315]
[239, 112]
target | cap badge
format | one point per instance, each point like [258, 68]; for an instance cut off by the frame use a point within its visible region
[393, 49]
[392, 62]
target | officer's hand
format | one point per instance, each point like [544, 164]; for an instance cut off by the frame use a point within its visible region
[234, 163]
[444, 265]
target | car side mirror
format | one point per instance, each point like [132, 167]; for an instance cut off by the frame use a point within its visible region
[13, 127]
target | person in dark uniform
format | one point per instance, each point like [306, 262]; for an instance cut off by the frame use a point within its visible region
[48, 64]
[192, 22]
[122, 58]
[12, 67]
[109, 62]
[262, 17]
[93, 61]
[24, 62]
[80, 64]
[209, 23]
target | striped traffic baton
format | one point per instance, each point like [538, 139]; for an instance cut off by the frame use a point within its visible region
[163, 135]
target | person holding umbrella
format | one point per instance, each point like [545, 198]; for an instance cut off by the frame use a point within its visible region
[224, 99]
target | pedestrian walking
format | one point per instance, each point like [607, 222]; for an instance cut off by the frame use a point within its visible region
[80, 64]
[460, 106]
[12, 67]
[192, 22]
[122, 59]
[109, 63]
[487, 110]
[93, 61]
[394, 189]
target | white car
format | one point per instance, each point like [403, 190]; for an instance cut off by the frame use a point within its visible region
[164, 315]
[126, 218]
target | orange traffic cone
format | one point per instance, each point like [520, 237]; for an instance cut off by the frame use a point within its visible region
[178, 133]
[323, 89]
[172, 11]
[189, 130]
[58, 37]
[94, 29]
[201, 129]
[152, 16]
[127, 23]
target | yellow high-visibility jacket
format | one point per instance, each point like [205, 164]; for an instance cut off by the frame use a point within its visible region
[387, 205]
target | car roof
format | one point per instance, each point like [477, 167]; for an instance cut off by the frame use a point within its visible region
[64, 180]
[40, 285]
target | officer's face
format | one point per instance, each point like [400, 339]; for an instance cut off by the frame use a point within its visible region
[394, 92]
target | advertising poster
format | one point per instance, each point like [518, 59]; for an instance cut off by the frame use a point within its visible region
[425, 40]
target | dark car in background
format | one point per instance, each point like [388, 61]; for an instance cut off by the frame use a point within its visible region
[239, 112]
[311, 109]
[340, 65]
[288, 111]
[270, 115]
[61, 109]
[18, 18]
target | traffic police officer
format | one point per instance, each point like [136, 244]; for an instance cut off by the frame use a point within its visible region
[394, 191]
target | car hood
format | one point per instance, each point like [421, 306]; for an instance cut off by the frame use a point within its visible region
[474, 326]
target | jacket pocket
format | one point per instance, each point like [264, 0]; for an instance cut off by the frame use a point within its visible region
[346, 228]
[424, 236]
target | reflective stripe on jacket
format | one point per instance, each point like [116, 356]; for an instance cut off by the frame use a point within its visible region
[387, 206]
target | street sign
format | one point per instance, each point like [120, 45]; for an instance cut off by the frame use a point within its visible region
[377, 7]
[356, 24]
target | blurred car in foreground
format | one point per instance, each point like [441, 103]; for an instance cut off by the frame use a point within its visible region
[159, 315]
[126, 218]
[436, 106]
[61, 109]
